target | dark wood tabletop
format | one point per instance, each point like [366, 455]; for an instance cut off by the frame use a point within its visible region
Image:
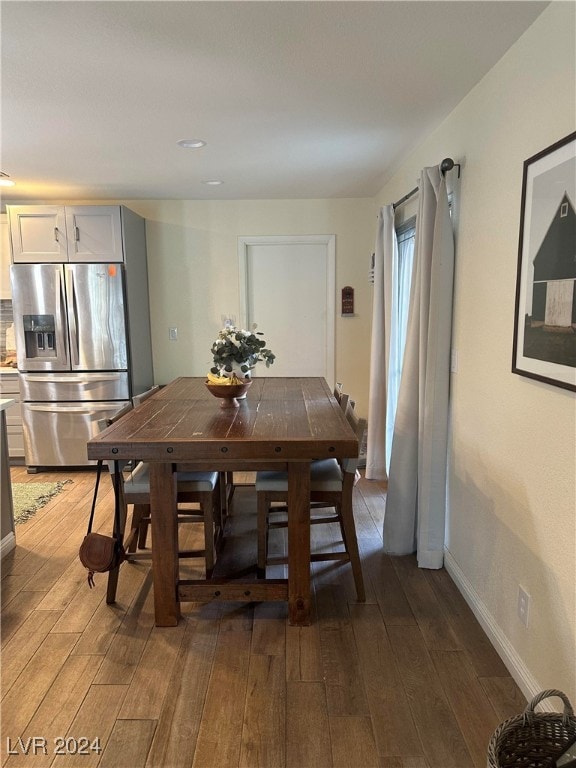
[280, 419]
[283, 422]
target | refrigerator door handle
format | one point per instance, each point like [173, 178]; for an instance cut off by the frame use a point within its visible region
[61, 312]
[53, 408]
[73, 318]
[51, 378]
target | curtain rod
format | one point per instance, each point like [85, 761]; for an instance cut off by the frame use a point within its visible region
[446, 165]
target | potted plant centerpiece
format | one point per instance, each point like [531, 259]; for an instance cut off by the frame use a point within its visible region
[235, 354]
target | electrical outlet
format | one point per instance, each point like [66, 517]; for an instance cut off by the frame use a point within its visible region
[173, 334]
[523, 605]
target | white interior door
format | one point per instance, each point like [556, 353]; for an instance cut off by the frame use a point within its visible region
[287, 289]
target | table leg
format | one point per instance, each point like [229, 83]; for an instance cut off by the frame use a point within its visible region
[299, 543]
[164, 544]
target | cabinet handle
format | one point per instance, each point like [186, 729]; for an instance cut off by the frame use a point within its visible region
[76, 233]
[56, 234]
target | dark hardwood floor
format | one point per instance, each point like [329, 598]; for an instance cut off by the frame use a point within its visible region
[406, 680]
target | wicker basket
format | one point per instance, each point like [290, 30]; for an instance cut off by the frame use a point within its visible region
[533, 739]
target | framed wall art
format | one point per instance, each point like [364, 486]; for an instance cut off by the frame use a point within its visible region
[545, 317]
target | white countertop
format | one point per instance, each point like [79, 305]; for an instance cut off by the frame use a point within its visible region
[6, 404]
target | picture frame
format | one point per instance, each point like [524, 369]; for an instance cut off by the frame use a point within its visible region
[544, 346]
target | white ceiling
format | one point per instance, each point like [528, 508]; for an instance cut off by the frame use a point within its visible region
[294, 99]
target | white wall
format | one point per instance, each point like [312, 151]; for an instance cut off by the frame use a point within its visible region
[193, 273]
[512, 472]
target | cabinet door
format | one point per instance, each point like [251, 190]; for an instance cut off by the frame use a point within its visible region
[94, 233]
[38, 233]
[9, 389]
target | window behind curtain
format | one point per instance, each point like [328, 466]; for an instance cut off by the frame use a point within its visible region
[401, 281]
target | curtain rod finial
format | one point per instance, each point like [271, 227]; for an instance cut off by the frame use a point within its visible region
[447, 164]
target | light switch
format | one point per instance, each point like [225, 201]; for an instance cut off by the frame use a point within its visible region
[454, 361]
[173, 334]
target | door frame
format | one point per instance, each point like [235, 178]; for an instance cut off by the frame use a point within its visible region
[329, 241]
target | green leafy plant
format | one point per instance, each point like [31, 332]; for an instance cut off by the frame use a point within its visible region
[240, 347]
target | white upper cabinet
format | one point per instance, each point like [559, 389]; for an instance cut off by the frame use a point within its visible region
[37, 233]
[94, 233]
[77, 233]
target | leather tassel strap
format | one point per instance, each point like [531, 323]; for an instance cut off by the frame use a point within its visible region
[99, 472]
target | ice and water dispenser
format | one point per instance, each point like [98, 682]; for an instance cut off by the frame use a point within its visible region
[40, 335]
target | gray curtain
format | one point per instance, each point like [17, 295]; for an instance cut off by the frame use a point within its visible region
[416, 500]
[384, 260]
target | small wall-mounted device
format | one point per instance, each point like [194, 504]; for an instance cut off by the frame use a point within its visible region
[347, 300]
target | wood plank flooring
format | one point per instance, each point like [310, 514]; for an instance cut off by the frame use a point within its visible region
[406, 680]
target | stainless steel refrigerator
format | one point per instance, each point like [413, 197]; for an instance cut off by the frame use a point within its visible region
[83, 351]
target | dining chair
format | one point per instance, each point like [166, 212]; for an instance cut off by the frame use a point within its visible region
[341, 396]
[227, 484]
[331, 485]
[141, 515]
[138, 399]
[133, 486]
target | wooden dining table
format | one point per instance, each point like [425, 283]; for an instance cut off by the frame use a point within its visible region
[283, 423]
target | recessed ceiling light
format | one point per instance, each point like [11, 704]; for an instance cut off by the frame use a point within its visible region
[191, 143]
[213, 182]
[5, 180]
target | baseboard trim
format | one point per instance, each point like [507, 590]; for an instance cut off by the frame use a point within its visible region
[518, 670]
[7, 544]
